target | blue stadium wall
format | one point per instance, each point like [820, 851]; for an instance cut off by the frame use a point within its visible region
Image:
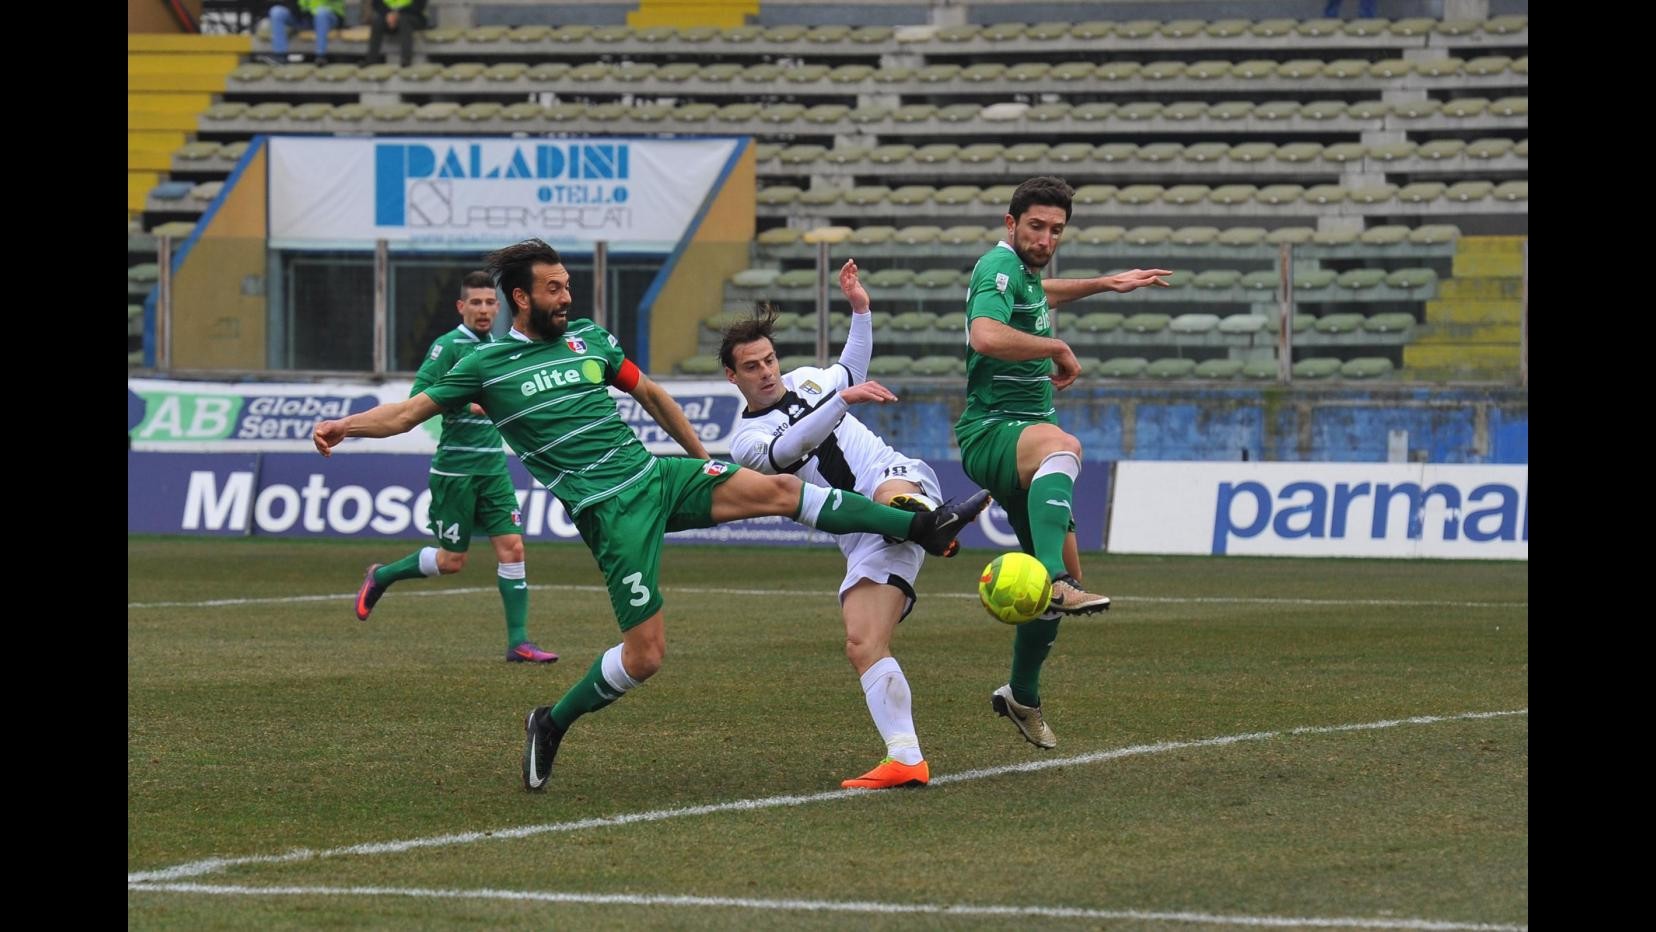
[1301, 424]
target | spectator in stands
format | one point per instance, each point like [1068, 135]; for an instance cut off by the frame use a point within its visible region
[399, 18]
[1365, 8]
[321, 15]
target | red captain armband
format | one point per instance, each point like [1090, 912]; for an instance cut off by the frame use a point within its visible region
[627, 378]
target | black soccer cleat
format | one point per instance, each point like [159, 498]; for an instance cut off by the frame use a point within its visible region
[540, 748]
[936, 530]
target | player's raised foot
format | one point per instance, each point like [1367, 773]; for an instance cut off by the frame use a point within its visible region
[1070, 599]
[890, 774]
[1028, 718]
[936, 530]
[540, 746]
[527, 652]
[369, 593]
[910, 501]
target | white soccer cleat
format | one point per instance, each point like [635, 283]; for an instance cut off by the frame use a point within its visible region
[1028, 718]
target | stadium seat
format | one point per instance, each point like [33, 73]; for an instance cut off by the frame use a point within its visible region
[1260, 369]
[1123, 367]
[888, 365]
[1218, 369]
[1316, 368]
[1366, 367]
[1238, 236]
[1193, 236]
[701, 365]
[1098, 322]
[1170, 368]
[1146, 323]
[1195, 324]
[1389, 322]
[1411, 278]
[1243, 324]
[1339, 323]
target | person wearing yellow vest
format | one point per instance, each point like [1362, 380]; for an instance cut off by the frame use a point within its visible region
[399, 18]
[321, 15]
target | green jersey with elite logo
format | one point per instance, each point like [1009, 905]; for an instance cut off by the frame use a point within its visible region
[996, 390]
[470, 445]
[551, 401]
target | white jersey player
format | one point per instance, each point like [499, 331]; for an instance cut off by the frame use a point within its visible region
[799, 422]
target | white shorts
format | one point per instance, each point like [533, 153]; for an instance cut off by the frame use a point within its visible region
[871, 556]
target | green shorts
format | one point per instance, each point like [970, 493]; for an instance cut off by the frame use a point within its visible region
[624, 531]
[462, 504]
[989, 456]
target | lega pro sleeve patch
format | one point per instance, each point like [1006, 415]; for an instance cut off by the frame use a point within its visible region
[1001, 281]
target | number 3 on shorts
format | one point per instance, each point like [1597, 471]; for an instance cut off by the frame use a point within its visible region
[636, 581]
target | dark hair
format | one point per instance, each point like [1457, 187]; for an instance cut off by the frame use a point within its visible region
[757, 327]
[1042, 190]
[477, 279]
[514, 267]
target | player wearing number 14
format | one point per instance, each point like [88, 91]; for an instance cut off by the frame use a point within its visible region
[470, 487]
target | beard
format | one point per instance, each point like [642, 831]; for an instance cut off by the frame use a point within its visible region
[1029, 260]
[541, 319]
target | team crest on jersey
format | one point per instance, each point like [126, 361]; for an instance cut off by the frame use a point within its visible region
[575, 343]
[1001, 281]
[517, 519]
[810, 386]
[436, 351]
[715, 468]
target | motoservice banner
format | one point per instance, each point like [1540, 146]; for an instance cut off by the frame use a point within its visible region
[212, 417]
[460, 192]
[386, 496]
[1321, 509]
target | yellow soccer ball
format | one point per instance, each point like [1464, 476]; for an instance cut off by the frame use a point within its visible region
[1015, 588]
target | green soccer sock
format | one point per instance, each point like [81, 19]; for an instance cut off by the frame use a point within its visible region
[514, 596]
[840, 512]
[1030, 647]
[406, 568]
[589, 694]
[1049, 519]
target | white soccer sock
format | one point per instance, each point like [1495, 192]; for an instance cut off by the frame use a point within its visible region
[886, 691]
[811, 502]
[428, 561]
[614, 673]
[511, 571]
[1062, 462]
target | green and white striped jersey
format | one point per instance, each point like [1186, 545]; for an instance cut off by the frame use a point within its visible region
[551, 402]
[470, 445]
[1003, 289]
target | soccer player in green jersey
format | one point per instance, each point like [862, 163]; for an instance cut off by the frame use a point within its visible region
[470, 486]
[1010, 441]
[547, 390]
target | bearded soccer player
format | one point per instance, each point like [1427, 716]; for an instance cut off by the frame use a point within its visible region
[1010, 441]
[548, 393]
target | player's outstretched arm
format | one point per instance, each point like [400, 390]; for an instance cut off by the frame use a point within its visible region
[665, 410]
[1062, 290]
[387, 420]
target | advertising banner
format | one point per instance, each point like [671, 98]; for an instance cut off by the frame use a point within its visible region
[212, 417]
[1321, 509]
[447, 192]
[377, 495]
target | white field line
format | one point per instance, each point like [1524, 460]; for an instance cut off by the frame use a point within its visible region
[213, 865]
[835, 906]
[705, 590]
